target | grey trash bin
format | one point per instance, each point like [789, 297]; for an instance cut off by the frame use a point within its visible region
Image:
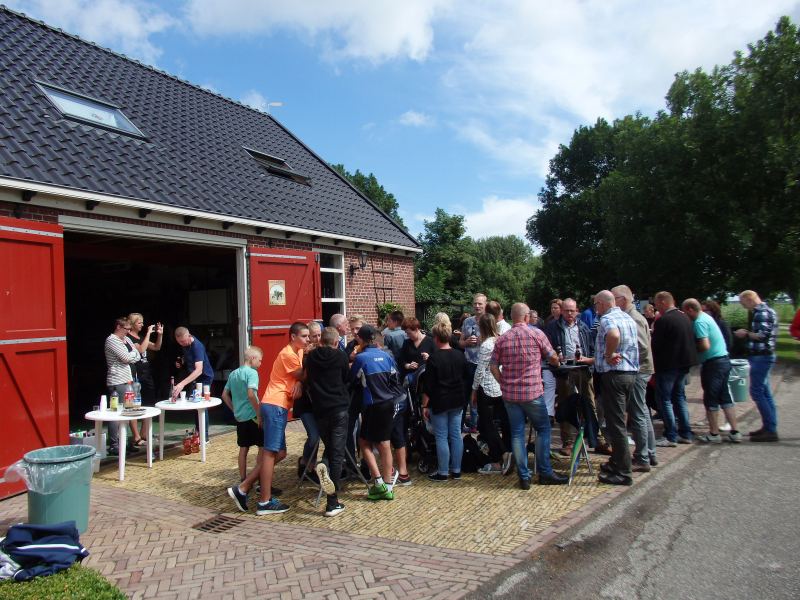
[739, 380]
[58, 481]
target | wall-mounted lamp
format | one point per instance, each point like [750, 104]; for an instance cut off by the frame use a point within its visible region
[362, 263]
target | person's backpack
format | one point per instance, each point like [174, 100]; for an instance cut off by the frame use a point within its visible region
[472, 459]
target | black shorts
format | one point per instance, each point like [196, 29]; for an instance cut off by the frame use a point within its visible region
[376, 422]
[248, 433]
[398, 437]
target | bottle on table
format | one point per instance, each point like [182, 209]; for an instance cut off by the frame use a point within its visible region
[195, 441]
[137, 394]
[172, 389]
[577, 354]
[128, 397]
[206, 393]
[113, 403]
[187, 443]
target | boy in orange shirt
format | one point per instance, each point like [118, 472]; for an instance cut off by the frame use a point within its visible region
[285, 384]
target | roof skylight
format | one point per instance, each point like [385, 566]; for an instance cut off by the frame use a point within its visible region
[276, 165]
[89, 110]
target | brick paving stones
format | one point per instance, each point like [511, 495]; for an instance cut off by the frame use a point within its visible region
[428, 542]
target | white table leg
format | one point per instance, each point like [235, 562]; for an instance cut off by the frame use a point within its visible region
[123, 442]
[149, 442]
[98, 443]
[201, 417]
[161, 435]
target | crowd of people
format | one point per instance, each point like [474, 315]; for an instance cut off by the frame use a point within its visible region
[488, 377]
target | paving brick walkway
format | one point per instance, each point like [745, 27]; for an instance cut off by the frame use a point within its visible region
[144, 540]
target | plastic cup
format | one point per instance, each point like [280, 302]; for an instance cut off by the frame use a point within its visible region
[183, 396]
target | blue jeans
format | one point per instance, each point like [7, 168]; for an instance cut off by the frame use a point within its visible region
[672, 403]
[310, 424]
[760, 366]
[536, 412]
[467, 384]
[447, 427]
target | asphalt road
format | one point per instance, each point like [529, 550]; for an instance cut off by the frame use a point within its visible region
[720, 522]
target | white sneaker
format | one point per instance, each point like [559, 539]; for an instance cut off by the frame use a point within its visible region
[734, 438]
[710, 438]
[725, 427]
[665, 443]
[630, 441]
[324, 480]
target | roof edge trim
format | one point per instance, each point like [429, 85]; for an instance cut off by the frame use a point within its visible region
[72, 193]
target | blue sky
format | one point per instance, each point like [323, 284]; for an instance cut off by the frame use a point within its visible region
[457, 105]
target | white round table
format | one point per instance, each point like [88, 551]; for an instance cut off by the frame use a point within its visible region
[98, 416]
[200, 407]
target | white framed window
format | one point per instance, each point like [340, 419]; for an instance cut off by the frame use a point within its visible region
[88, 110]
[331, 274]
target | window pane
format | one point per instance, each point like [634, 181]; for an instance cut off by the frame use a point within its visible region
[326, 261]
[90, 111]
[328, 281]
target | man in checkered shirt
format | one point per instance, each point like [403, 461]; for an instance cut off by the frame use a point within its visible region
[616, 358]
[761, 338]
[519, 352]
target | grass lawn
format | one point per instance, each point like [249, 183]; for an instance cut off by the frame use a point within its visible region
[75, 582]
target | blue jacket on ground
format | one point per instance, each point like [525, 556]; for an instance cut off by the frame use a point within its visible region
[376, 371]
[43, 549]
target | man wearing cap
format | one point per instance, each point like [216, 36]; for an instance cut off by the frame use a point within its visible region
[377, 373]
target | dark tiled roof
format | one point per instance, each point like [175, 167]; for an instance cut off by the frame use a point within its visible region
[193, 156]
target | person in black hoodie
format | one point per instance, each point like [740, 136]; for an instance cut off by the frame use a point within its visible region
[674, 353]
[327, 370]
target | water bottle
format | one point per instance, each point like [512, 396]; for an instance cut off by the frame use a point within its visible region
[114, 402]
[172, 388]
[187, 443]
[137, 394]
[128, 398]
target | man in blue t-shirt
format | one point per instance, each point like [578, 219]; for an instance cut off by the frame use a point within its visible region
[195, 358]
[716, 367]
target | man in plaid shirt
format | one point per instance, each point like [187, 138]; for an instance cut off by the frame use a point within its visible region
[616, 358]
[519, 352]
[761, 338]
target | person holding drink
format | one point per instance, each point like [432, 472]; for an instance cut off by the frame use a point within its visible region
[142, 368]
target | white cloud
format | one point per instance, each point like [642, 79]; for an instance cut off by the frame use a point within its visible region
[501, 216]
[421, 217]
[361, 29]
[416, 119]
[530, 72]
[124, 26]
[209, 87]
[254, 99]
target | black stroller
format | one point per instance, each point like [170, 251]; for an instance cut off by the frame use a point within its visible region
[421, 438]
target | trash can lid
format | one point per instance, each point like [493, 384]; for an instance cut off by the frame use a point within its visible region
[59, 454]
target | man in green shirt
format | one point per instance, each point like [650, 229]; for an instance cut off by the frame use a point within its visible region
[714, 371]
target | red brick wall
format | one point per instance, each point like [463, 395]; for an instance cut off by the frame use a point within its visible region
[359, 289]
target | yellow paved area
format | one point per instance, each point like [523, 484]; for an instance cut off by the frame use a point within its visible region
[487, 514]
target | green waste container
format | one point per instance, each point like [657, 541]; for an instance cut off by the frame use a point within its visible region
[738, 380]
[58, 481]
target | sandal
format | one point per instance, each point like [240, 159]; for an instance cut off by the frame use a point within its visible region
[141, 442]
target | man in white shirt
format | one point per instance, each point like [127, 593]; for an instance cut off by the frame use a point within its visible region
[494, 309]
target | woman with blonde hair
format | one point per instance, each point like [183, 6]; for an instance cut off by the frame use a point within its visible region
[141, 369]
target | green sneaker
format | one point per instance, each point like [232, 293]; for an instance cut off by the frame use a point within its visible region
[376, 492]
[380, 492]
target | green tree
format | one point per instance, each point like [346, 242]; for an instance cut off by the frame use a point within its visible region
[505, 268]
[369, 186]
[445, 268]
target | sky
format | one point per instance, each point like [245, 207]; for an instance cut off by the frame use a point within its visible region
[456, 105]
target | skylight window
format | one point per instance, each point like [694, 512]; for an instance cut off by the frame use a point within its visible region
[89, 110]
[276, 166]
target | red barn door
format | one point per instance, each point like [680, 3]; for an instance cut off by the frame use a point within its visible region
[33, 347]
[284, 288]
